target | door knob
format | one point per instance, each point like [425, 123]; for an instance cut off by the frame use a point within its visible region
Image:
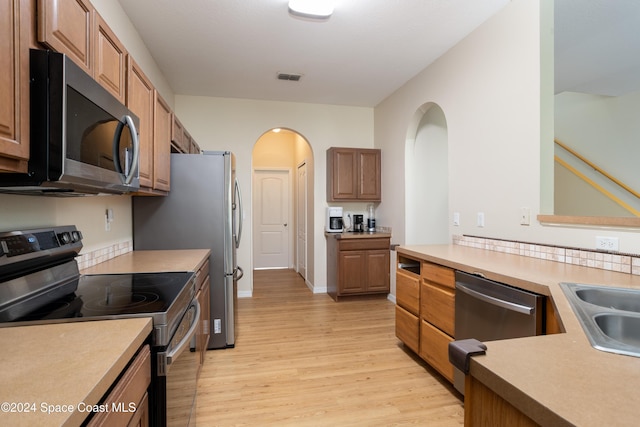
[285, 224]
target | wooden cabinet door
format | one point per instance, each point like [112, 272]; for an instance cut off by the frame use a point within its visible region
[408, 291]
[408, 328]
[162, 119]
[352, 267]
[438, 307]
[130, 388]
[377, 269]
[342, 169]
[14, 85]
[177, 134]
[140, 100]
[369, 175]
[109, 64]
[66, 26]
[434, 348]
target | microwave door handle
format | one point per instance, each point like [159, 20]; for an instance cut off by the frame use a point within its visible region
[116, 146]
[136, 149]
[128, 121]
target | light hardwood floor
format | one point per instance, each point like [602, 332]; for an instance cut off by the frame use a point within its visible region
[304, 360]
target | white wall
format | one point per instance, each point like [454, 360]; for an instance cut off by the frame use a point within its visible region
[500, 128]
[236, 125]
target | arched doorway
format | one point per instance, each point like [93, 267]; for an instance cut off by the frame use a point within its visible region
[427, 177]
[282, 188]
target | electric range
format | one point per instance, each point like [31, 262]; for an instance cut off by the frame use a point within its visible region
[40, 283]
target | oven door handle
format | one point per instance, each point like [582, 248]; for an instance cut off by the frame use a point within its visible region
[524, 309]
[186, 340]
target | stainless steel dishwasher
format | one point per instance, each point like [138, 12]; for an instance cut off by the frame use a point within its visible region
[488, 311]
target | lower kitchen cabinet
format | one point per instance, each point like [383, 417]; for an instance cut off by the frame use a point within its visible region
[483, 407]
[408, 328]
[434, 349]
[425, 311]
[128, 402]
[203, 296]
[408, 303]
[357, 266]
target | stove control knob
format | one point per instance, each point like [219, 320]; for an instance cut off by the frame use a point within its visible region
[65, 238]
[76, 236]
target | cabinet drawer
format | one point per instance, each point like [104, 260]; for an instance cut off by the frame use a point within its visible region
[202, 274]
[364, 244]
[131, 388]
[437, 306]
[408, 292]
[438, 274]
[408, 328]
[434, 349]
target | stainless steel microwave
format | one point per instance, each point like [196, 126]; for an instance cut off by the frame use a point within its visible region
[82, 139]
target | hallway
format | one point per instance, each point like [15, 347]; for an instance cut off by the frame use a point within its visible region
[304, 360]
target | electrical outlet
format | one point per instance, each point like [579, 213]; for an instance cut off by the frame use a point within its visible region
[607, 243]
[480, 219]
[525, 216]
[456, 218]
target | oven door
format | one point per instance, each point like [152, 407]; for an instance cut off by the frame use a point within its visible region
[178, 370]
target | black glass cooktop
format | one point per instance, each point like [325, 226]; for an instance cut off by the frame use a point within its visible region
[116, 294]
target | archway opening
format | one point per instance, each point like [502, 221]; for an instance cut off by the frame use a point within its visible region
[282, 202]
[427, 177]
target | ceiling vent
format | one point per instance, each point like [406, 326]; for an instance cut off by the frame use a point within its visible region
[289, 76]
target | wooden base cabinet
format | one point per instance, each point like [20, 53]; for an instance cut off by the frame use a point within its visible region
[408, 305]
[357, 266]
[434, 349]
[484, 408]
[128, 401]
[425, 311]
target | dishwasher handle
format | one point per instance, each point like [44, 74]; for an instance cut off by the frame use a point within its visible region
[524, 309]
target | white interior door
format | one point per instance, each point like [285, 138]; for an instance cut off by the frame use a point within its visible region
[301, 223]
[271, 219]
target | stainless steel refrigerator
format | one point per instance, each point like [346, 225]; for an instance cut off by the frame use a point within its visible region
[202, 211]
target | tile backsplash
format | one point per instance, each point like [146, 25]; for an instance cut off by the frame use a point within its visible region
[613, 261]
[92, 258]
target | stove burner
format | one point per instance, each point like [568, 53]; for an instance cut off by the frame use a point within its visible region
[119, 301]
[142, 281]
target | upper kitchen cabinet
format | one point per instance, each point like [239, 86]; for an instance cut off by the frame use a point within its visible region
[353, 174]
[162, 122]
[141, 101]
[73, 27]
[109, 63]
[66, 27]
[179, 137]
[15, 25]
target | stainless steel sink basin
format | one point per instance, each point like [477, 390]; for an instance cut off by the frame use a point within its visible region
[625, 329]
[619, 299]
[609, 316]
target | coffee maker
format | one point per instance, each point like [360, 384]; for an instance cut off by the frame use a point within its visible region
[334, 220]
[358, 223]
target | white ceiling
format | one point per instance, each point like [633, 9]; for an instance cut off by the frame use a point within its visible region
[597, 46]
[362, 54]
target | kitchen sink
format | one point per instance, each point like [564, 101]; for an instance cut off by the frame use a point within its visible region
[625, 329]
[609, 316]
[619, 299]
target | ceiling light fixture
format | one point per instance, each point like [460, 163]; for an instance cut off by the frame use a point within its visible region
[314, 9]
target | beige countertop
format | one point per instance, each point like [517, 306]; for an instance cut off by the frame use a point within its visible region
[152, 262]
[55, 371]
[554, 379]
[362, 235]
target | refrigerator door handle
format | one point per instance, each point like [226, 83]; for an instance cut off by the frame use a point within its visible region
[238, 270]
[240, 219]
